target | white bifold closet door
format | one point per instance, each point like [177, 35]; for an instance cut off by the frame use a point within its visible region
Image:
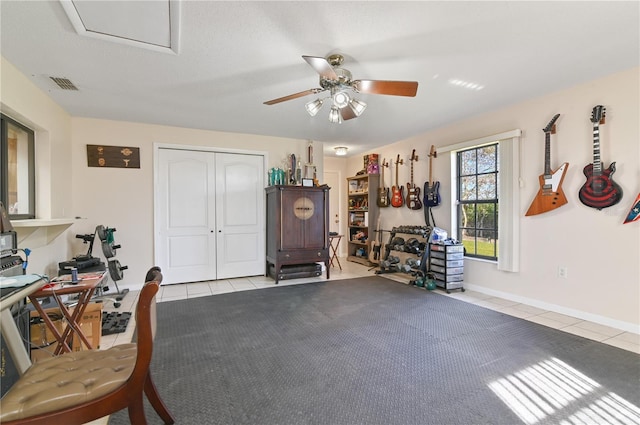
[209, 215]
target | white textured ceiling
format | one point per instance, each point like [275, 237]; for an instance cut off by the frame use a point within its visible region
[233, 56]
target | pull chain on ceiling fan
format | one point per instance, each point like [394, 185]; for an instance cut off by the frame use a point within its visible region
[338, 82]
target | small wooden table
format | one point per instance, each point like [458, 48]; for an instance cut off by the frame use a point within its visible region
[334, 249]
[85, 288]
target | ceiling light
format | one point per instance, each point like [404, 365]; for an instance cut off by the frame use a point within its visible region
[313, 107]
[341, 99]
[341, 150]
[357, 106]
[334, 115]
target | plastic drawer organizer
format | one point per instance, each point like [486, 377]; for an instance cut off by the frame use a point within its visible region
[446, 264]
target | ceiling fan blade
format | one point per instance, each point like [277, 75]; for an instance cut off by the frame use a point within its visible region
[322, 67]
[293, 96]
[347, 113]
[394, 88]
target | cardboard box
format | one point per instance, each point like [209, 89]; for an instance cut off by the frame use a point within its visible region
[43, 342]
[91, 326]
[41, 335]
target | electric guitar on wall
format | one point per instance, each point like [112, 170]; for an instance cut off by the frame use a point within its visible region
[383, 192]
[374, 252]
[397, 199]
[599, 191]
[550, 195]
[413, 192]
[634, 212]
[431, 188]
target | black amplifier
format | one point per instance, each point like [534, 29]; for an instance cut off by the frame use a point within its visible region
[79, 263]
[11, 265]
[296, 271]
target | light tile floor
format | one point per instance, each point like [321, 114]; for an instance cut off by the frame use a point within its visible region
[605, 334]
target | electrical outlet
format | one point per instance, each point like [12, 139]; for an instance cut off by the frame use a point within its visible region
[562, 272]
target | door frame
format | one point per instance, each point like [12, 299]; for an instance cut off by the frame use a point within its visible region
[213, 149]
[340, 207]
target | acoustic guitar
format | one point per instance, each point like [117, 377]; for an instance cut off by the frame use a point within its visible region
[550, 195]
[383, 192]
[397, 192]
[431, 188]
[413, 192]
[599, 191]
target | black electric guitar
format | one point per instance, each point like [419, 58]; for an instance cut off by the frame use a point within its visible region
[374, 252]
[599, 191]
[431, 188]
[413, 192]
[383, 192]
[550, 195]
[397, 195]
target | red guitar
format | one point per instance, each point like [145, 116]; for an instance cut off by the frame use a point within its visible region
[600, 191]
[550, 195]
[413, 192]
[397, 199]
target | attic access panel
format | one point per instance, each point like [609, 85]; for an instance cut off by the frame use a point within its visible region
[151, 25]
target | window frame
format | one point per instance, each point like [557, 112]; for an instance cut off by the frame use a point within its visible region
[509, 195]
[493, 201]
[5, 121]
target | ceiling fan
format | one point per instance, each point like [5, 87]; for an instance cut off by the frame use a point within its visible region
[338, 82]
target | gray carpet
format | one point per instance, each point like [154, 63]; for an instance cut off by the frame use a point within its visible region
[373, 351]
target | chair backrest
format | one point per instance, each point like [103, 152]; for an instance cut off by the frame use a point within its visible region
[153, 275]
[146, 323]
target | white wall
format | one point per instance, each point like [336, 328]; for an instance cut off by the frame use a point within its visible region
[123, 198]
[601, 254]
[23, 101]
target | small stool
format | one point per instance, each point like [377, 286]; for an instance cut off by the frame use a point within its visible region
[334, 249]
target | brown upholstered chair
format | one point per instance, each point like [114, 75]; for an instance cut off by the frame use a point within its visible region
[79, 387]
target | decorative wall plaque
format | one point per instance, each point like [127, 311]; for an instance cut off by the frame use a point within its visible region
[113, 156]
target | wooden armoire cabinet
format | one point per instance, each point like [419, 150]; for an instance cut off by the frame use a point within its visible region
[297, 227]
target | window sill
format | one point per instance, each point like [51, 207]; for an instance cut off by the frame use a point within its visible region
[40, 232]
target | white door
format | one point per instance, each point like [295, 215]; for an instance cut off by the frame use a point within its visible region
[185, 202]
[332, 179]
[240, 215]
[209, 215]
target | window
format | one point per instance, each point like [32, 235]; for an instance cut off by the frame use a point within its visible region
[507, 174]
[17, 169]
[478, 189]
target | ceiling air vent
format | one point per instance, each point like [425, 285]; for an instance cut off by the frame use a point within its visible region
[64, 83]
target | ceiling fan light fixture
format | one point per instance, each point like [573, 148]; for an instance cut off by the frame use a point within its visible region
[357, 106]
[341, 150]
[334, 115]
[313, 107]
[341, 99]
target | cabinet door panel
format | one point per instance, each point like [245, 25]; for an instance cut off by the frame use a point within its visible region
[315, 230]
[292, 227]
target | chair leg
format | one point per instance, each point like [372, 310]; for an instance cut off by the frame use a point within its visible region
[155, 400]
[136, 411]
